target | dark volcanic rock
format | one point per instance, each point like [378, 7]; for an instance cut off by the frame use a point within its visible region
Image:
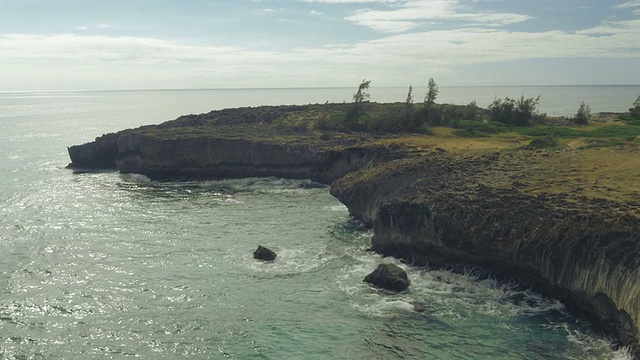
[99, 154]
[263, 253]
[388, 276]
[439, 212]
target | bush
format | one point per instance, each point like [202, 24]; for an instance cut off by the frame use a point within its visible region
[583, 115]
[513, 112]
[396, 119]
[635, 110]
[628, 119]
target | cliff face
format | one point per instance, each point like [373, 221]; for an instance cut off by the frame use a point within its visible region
[439, 212]
[99, 154]
[214, 158]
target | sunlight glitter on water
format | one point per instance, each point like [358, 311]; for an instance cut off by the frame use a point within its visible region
[103, 265]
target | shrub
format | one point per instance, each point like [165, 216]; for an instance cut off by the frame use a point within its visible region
[514, 112]
[583, 115]
[635, 110]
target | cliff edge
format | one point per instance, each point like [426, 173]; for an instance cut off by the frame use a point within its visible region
[447, 210]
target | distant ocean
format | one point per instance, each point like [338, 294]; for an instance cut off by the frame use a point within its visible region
[110, 266]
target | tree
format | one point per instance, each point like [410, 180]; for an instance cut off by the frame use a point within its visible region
[583, 114]
[432, 93]
[361, 95]
[409, 101]
[351, 120]
[635, 110]
[525, 110]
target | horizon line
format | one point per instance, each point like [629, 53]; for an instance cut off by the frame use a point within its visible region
[292, 88]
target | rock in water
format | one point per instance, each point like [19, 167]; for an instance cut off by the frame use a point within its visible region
[388, 276]
[263, 253]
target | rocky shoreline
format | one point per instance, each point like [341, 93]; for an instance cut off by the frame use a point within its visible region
[438, 212]
[430, 208]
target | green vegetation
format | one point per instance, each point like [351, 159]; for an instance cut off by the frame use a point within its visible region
[513, 112]
[603, 143]
[506, 123]
[409, 102]
[607, 131]
[474, 128]
[583, 115]
[357, 110]
[432, 93]
[635, 110]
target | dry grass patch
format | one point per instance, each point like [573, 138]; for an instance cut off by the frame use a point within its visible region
[612, 174]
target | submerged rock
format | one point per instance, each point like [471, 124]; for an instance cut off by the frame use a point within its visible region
[388, 276]
[265, 254]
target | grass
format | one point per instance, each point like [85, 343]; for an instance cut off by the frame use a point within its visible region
[604, 131]
[316, 123]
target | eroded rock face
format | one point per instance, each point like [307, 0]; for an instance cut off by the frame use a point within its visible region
[204, 157]
[389, 277]
[264, 254]
[99, 154]
[440, 212]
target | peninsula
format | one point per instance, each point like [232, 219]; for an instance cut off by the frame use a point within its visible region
[549, 204]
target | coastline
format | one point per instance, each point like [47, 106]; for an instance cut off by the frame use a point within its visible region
[473, 209]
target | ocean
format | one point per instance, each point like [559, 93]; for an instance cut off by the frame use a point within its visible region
[111, 266]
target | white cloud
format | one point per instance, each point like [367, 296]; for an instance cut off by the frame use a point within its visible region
[628, 4]
[350, 1]
[412, 14]
[138, 62]
[264, 11]
[92, 27]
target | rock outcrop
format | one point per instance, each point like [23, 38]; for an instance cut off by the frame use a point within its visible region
[389, 277]
[210, 157]
[264, 254]
[99, 154]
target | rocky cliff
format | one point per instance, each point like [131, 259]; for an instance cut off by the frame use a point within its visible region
[455, 211]
[215, 158]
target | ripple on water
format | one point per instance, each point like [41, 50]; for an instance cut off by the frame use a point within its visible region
[488, 318]
[115, 266]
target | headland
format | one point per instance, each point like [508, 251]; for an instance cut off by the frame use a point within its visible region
[554, 206]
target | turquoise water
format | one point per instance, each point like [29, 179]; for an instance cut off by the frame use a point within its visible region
[103, 265]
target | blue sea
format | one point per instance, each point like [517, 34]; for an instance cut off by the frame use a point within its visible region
[113, 266]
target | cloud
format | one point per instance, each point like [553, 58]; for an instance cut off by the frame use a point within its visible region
[95, 48]
[412, 14]
[264, 11]
[628, 4]
[350, 1]
[395, 57]
[92, 27]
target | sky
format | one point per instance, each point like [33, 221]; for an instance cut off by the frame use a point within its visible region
[196, 44]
